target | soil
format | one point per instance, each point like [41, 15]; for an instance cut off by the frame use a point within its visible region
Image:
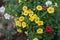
[18, 36]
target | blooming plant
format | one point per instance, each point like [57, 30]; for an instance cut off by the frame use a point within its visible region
[36, 18]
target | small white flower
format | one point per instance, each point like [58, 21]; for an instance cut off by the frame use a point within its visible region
[2, 9]
[7, 16]
[48, 3]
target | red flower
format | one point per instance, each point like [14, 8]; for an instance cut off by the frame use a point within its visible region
[48, 28]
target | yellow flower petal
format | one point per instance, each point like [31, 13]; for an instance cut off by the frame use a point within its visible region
[35, 39]
[19, 1]
[24, 8]
[40, 31]
[18, 23]
[50, 10]
[25, 13]
[19, 30]
[39, 8]
[40, 23]
[26, 32]
[35, 16]
[31, 18]
[21, 18]
[24, 25]
[30, 13]
[37, 19]
[56, 5]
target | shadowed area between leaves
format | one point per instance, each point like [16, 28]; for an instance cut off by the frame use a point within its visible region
[19, 36]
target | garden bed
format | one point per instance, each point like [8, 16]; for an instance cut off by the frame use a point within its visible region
[29, 19]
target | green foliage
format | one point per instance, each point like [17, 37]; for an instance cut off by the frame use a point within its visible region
[12, 7]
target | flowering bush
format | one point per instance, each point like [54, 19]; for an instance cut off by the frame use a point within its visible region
[36, 18]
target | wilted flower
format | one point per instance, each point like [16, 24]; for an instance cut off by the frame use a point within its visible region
[44, 6]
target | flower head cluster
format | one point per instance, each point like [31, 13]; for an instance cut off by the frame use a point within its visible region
[36, 19]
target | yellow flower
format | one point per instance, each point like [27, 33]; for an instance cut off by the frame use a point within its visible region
[19, 30]
[24, 8]
[18, 23]
[31, 18]
[21, 18]
[40, 31]
[37, 19]
[50, 10]
[25, 13]
[35, 16]
[35, 39]
[56, 5]
[39, 8]
[19, 1]
[40, 23]
[24, 25]
[26, 32]
[30, 13]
